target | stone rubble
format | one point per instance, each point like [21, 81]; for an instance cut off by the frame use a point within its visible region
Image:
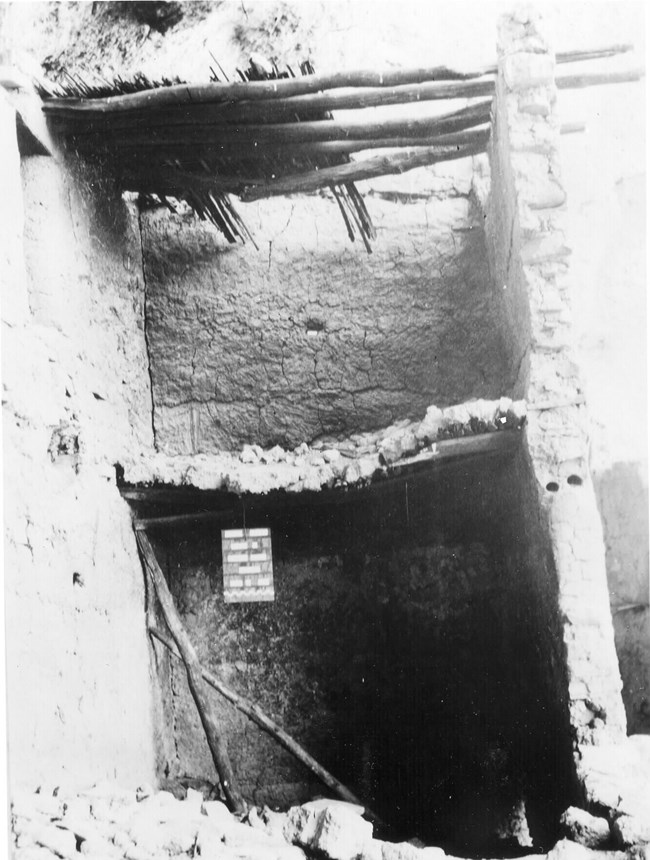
[616, 779]
[106, 822]
[327, 462]
[584, 828]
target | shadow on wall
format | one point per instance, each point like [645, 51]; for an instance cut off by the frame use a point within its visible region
[622, 493]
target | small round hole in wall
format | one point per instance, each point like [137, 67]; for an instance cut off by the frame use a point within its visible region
[552, 487]
[314, 327]
[574, 480]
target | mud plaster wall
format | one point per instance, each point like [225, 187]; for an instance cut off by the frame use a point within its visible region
[388, 652]
[75, 401]
[232, 356]
[529, 257]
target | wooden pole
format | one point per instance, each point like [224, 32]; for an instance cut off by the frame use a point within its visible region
[596, 79]
[172, 183]
[288, 108]
[277, 110]
[141, 158]
[291, 132]
[199, 516]
[167, 180]
[182, 94]
[243, 151]
[80, 119]
[214, 93]
[194, 676]
[257, 715]
[356, 171]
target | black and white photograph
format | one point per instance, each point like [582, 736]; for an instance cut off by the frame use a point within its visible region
[324, 429]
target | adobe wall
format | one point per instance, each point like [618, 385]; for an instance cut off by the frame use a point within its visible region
[529, 253]
[76, 400]
[310, 335]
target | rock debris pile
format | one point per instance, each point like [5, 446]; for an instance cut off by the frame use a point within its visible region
[329, 462]
[107, 822]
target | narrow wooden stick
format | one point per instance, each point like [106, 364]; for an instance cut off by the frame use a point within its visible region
[593, 54]
[555, 404]
[572, 127]
[595, 79]
[194, 676]
[257, 715]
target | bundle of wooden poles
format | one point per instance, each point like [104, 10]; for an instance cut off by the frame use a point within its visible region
[272, 134]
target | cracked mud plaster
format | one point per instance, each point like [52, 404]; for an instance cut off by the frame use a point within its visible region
[310, 335]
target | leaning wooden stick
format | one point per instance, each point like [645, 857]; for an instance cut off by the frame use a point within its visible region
[257, 715]
[194, 676]
[368, 168]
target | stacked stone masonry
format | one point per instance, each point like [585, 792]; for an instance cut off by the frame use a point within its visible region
[530, 259]
[329, 461]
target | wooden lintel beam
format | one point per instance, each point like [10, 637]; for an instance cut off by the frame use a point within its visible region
[175, 519]
[463, 446]
[446, 452]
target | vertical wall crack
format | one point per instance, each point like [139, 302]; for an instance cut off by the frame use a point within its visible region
[146, 329]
